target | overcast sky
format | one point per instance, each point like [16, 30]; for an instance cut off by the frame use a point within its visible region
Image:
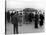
[12, 4]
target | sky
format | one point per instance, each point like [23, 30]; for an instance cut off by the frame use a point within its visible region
[12, 4]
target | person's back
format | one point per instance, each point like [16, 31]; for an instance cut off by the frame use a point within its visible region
[14, 20]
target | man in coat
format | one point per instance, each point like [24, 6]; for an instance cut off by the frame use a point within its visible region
[14, 21]
[41, 19]
[36, 20]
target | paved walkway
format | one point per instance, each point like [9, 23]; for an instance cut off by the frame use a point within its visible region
[25, 28]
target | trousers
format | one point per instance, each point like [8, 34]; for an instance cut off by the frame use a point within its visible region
[15, 29]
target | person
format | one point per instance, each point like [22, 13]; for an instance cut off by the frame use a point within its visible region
[30, 17]
[8, 16]
[36, 20]
[42, 19]
[14, 21]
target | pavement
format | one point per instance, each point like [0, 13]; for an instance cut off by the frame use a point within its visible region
[24, 28]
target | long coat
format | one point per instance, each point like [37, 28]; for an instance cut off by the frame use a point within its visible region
[14, 20]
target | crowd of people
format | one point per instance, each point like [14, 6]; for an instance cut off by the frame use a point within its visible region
[37, 18]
